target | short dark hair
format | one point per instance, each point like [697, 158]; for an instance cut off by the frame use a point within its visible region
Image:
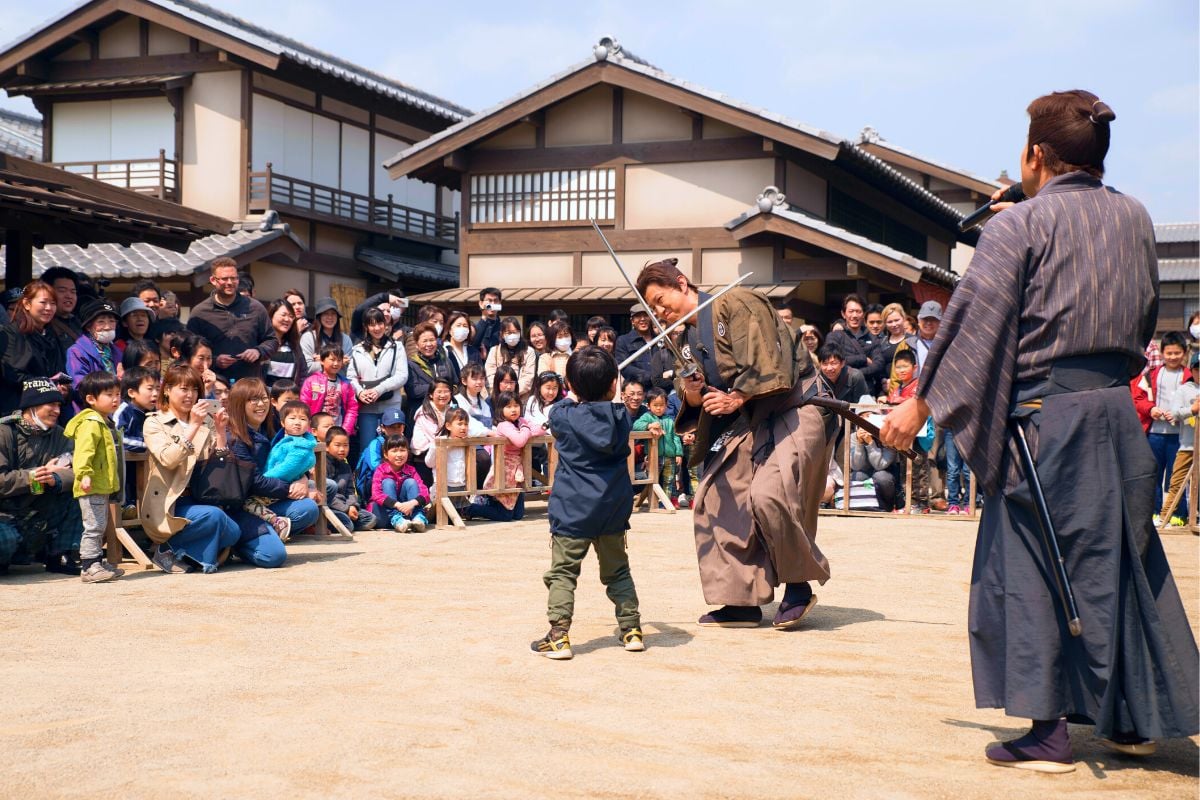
[245, 281]
[55, 273]
[328, 350]
[135, 351]
[313, 419]
[830, 350]
[596, 322]
[655, 394]
[189, 344]
[490, 290]
[395, 442]
[133, 377]
[852, 298]
[294, 405]
[97, 383]
[590, 373]
[283, 386]
[558, 315]
[142, 286]
[875, 308]
[336, 430]
[905, 355]
[1177, 338]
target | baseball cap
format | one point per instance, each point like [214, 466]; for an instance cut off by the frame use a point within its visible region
[393, 416]
[930, 308]
[636, 308]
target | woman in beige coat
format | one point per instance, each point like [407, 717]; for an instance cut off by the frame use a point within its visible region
[183, 431]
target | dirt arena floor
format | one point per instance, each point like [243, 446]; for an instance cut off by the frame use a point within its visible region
[398, 666]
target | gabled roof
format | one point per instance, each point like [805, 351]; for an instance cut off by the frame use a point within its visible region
[255, 40]
[591, 295]
[870, 141]
[790, 221]
[20, 135]
[1179, 269]
[611, 66]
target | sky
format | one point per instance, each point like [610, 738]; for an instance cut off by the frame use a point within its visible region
[947, 80]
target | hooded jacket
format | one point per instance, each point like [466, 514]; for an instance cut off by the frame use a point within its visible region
[98, 453]
[593, 495]
[291, 457]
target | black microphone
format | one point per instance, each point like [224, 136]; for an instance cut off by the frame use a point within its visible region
[1013, 194]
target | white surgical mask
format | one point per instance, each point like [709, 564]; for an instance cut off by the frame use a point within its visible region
[562, 344]
[1195, 331]
[105, 337]
[37, 421]
[511, 339]
[460, 334]
[395, 312]
[437, 326]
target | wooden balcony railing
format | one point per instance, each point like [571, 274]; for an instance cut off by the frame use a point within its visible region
[270, 190]
[157, 176]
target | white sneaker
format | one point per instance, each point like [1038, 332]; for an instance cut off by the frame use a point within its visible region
[401, 526]
[1157, 521]
[96, 573]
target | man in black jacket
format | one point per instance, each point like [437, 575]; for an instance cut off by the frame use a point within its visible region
[236, 326]
[629, 343]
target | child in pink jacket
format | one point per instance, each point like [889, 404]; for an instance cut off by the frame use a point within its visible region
[328, 392]
[506, 410]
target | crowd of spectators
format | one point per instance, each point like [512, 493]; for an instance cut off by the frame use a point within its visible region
[85, 381]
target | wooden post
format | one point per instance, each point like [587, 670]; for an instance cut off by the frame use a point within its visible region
[847, 473]
[440, 484]
[162, 174]
[319, 478]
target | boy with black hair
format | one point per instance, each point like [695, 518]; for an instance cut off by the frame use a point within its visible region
[139, 393]
[98, 464]
[341, 494]
[591, 501]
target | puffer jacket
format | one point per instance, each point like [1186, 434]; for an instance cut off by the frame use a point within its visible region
[21, 452]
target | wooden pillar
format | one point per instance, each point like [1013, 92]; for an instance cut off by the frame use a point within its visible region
[18, 257]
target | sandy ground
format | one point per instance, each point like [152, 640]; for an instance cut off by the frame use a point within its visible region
[396, 666]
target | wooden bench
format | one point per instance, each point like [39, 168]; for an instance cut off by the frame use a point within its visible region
[119, 542]
[447, 513]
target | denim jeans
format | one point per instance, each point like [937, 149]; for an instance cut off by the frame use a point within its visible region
[365, 521]
[490, 508]
[958, 474]
[368, 429]
[408, 490]
[1164, 446]
[259, 544]
[209, 531]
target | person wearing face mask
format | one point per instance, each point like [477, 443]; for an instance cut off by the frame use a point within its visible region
[556, 360]
[512, 351]
[38, 521]
[94, 350]
[458, 347]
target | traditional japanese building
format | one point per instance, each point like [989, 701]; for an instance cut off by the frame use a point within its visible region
[181, 101]
[670, 169]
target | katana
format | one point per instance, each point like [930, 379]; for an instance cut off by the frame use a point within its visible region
[681, 321]
[843, 409]
[1049, 537]
[689, 365]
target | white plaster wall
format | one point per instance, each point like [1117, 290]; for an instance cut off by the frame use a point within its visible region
[164, 41]
[212, 144]
[693, 195]
[121, 39]
[585, 118]
[807, 191]
[599, 269]
[723, 265]
[513, 271]
[645, 119]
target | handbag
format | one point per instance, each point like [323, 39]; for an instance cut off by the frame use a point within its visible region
[372, 384]
[221, 480]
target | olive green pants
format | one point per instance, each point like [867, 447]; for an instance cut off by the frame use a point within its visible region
[566, 559]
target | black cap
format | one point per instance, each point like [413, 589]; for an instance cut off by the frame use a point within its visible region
[39, 392]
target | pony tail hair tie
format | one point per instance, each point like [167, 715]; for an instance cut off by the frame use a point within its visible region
[1101, 113]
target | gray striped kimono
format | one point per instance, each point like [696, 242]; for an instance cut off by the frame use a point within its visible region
[1064, 276]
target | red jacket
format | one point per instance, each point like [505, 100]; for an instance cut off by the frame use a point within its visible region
[1141, 402]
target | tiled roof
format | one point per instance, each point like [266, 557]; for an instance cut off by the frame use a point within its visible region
[276, 44]
[394, 266]
[930, 273]
[141, 260]
[1168, 232]
[576, 294]
[871, 136]
[1179, 269]
[20, 135]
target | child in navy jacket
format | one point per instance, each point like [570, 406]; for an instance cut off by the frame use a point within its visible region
[591, 501]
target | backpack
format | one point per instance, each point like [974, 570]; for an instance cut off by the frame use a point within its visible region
[364, 471]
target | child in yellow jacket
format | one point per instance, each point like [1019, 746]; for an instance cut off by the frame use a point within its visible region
[98, 469]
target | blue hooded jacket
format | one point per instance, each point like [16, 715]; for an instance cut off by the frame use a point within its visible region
[592, 494]
[291, 457]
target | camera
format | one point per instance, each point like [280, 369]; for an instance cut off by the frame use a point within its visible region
[491, 307]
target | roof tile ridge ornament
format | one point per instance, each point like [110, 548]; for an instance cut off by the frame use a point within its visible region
[770, 199]
[869, 135]
[607, 46]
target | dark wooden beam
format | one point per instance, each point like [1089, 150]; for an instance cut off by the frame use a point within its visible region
[456, 161]
[584, 239]
[618, 115]
[143, 37]
[137, 66]
[18, 257]
[605, 154]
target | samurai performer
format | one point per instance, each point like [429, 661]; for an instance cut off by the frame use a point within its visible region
[763, 456]
[1047, 328]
